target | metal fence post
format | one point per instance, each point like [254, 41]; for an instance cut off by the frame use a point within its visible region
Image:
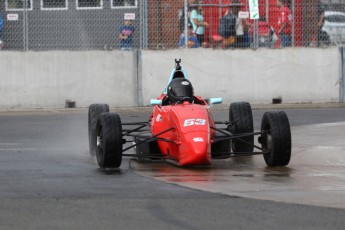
[293, 23]
[25, 26]
[143, 10]
[137, 87]
[185, 9]
[255, 34]
[342, 77]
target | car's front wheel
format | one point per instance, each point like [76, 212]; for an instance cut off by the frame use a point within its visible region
[109, 140]
[276, 140]
[94, 111]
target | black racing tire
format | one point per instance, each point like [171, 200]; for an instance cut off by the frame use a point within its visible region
[241, 118]
[94, 111]
[277, 141]
[109, 140]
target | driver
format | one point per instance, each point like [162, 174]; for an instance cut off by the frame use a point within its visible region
[179, 90]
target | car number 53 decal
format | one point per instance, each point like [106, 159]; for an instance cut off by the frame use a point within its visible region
[194, 121]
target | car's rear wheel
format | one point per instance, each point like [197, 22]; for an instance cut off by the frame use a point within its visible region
[109, 140]
[241, 121]
[276, 142]
[94, 111]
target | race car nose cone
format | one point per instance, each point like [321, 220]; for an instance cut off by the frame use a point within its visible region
[196, 150]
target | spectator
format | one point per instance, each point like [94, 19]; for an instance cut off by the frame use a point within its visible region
[227, 29]
[322, 36]
[284, 24]
[126, 35]
[242, 40]
[198, 23]
[192, 40]
[1, 24]
[267, 37]
[182, 15]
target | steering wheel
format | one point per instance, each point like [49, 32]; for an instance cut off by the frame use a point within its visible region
[189, 99]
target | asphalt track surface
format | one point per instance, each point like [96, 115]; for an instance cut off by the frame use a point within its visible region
[49, 181]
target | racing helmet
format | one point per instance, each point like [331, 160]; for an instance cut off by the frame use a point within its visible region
[180, 89]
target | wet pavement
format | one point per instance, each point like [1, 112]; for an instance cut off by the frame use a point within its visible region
[49, 181]
[314, 176]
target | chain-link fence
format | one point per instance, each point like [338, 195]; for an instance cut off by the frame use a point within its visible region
[163, 24]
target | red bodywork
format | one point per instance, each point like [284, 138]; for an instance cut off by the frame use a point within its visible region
[190, 137]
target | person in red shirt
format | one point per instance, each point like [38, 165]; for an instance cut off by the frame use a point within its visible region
[284, 24]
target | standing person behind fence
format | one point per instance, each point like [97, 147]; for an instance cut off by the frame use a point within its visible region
[198, 23]
[1, 25]
[182, 15]
[240, 24]
[192, 40]
[126, 35]
[227, 28]
[322, 36]
[284, 24]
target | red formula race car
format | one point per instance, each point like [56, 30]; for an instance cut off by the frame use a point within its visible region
[181, 130]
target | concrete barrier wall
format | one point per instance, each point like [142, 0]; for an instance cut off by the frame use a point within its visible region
[47, 79]
[297, 75]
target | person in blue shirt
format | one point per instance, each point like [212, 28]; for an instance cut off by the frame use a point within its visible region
[126, 35]
[1, 22]
[1, 25]
[192, 39]
[198, 23]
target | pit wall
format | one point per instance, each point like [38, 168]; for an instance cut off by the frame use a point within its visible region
[126, 79]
